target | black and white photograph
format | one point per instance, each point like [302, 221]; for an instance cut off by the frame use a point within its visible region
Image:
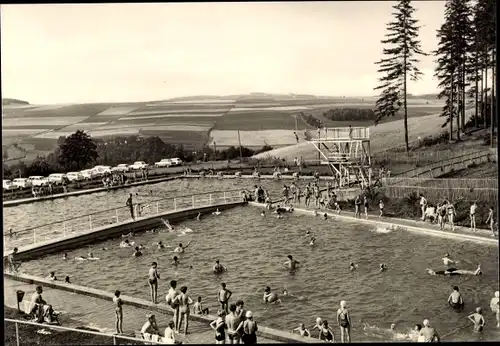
[250, 172]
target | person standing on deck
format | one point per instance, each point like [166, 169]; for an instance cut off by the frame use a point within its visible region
[473, 208]
[170, 298]
[118, 312]
[357, 205]
[423, 205]
[130, 205]
[490, 221]
[365, 204]
[344, 322]
[153, 281]
[451, 215]
[495, 308]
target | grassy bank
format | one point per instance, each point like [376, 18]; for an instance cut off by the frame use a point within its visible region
[28, 335]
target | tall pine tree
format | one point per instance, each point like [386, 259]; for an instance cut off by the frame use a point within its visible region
[400, 63]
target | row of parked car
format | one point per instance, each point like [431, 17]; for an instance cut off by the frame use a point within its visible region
[87, 174]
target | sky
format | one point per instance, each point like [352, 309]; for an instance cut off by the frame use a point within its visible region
[144, 52]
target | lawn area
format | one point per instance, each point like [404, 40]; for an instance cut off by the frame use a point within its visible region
[259, 120]
[28, 335]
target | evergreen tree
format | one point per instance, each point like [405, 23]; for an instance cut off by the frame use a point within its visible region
[399, 64]
[453, 49]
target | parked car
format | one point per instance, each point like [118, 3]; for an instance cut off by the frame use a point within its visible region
[121, 168]
[99, 171]
[37, 180]
[56, 178]
[75, 176]
[138, 165]
[88, 174]
[21, 183]
[163, 163]
[8, 186]
[176, 161]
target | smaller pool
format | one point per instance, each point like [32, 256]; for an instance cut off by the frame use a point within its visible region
[254, 249]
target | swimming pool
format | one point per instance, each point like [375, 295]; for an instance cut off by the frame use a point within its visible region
[254, 249]
[40, 213]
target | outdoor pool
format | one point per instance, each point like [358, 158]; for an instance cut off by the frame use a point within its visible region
[43, 212]
[254, 249]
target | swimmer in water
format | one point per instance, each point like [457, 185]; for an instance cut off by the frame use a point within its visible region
[130, 234]
[91, 257]
[447, 261]
[217, 212]
[65, 256]
[160, 245]
[181, 248]
[279, 216]
[270, 297]
[52, 276]
[319, 323]
[353, 266]
[198, 217]
[141, 247]
[453, 272]
[313, 240]
[176, 261]
[478, 320]
[325, 216]
[263, 213]
[326, 333]
[167, 224]
[291, 263]
[382, 267]
[125, 243]
[301, 329]
[455, 300]
[137, 252]
[308, 232]
[218, 268]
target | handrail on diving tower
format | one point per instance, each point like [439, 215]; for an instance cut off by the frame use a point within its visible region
[343, 133]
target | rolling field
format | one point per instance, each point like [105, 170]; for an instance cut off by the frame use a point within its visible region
[193, 122]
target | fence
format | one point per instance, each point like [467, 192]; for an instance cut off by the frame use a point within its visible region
[439, 189]
[439, 168]
[142, 208]
[417, 158]
[80, 339]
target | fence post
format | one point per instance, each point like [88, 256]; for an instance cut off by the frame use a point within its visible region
[175, 203]
[192, 199]
[90, 222]
[114, 340]
[116, 214]
[17, 333]
[225, 197]
[210, 199]
[157, 208]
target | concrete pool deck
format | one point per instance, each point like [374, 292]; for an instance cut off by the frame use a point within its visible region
[84, 306]
[461, 233]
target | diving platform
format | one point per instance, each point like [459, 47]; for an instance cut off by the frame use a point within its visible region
[347, 151]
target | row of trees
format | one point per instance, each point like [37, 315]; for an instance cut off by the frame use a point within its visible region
[80, 151]
[465, 55]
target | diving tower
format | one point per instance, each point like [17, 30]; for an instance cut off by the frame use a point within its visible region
[347, 151]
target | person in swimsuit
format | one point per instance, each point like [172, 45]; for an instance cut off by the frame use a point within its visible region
[301, 329]
[319, 323]
[234, 325]
[150, 326]
[176, 261]
[130, 205]
[478, 320]
[153, 277]
[353, 266]
[170, 298]
[451, 215]
[429, 334]
[326, 332]
[357, 205]
[218, 268]
[382, 267]
[454, 272]
[249, 330]
[365, 204]
[291, 263]
[181, 248]
[442, 215]
[495, 307]
[223, 296]
[118, 312]
[473, 208]
[219, 326]
[490, 221]
[13, 263]
[455, 300]
[170, 334]
[198, 308]
[137, 252]
[270, 297]
[344, 322]
[447, 261]
[184, 301]
[52, 276]
[240, 310]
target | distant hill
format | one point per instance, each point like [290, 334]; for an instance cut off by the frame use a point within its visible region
[423, 96]
[7, 101]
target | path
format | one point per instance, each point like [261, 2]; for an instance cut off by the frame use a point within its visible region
[83, 311]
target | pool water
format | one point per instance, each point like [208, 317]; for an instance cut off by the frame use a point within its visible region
[254, 249]
[40, 213]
